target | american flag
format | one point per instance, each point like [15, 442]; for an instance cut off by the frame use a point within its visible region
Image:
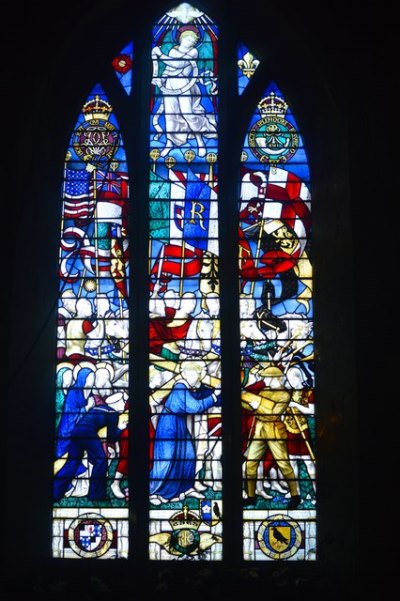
[78, 194]
[78, 184]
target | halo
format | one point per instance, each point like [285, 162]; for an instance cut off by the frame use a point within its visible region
[80, 365]
[66, 364]
[191, 28]
[108, 367]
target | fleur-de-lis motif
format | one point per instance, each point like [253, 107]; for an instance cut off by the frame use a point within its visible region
[248, 64]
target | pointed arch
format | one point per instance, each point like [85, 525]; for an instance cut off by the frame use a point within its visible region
[276, 329]
[185, 381]
[90, 509]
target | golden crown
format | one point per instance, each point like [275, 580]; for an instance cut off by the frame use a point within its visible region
[185, 519]
[96, 108]
[272, 105]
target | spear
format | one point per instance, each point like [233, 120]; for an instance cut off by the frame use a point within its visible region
[260, 229]
[294, 413]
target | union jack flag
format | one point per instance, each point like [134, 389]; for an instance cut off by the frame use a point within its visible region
[110, 184]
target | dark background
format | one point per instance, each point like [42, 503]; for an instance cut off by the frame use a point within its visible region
[335, 60]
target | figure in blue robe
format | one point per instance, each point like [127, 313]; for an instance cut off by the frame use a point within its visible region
[174, 460]
[84, 437]
[73, 409]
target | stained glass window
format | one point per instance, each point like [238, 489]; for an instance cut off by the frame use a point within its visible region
[185, 407]
[276, 331]
[275, 325]
[123, 67]
[90, 514]
[247, 64]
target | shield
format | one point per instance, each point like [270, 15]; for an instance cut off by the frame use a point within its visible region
[279, 537]
[211, 511]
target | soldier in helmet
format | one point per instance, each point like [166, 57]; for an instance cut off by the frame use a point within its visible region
[268, 404]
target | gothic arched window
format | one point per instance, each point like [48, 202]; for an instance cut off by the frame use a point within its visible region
[220, 326]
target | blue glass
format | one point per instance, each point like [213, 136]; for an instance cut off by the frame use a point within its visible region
[185, 381]
[123, 67]
[247, 64]
[276, 331]
[90, 510]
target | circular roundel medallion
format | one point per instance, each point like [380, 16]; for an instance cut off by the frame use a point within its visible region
[90, 535]
[96, 141]
[273, 139]
[185, 540]
[279, 537]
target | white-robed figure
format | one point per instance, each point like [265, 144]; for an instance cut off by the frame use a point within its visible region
[185, 117]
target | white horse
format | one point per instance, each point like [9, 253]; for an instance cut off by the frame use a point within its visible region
[109, 339]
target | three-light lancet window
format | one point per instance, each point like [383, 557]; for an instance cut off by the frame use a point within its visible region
[186, 402]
